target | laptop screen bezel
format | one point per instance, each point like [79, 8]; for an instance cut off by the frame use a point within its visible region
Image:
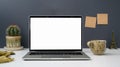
[29, 36]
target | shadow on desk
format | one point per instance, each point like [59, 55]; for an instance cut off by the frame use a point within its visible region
[111, 54]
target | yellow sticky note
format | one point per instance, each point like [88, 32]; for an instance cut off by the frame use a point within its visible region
[90, 22]
[102, 18]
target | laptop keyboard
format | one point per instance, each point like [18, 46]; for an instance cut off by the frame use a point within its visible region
[38, 53]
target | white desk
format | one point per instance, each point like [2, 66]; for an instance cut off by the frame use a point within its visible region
[111, 59]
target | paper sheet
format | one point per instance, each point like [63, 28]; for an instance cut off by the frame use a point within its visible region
[102, 18]
[90, 22]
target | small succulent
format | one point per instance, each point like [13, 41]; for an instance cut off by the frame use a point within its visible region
[13, 30]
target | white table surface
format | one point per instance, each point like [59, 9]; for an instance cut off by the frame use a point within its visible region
[110, 59]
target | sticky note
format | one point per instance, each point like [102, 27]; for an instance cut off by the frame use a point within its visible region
[90, 22]
[102, 18]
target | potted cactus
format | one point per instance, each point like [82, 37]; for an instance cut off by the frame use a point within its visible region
[13, 38]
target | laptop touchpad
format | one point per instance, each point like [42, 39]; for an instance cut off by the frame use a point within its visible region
[54, 56]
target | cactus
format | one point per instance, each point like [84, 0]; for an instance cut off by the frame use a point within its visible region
[13, 30]
[13, 38]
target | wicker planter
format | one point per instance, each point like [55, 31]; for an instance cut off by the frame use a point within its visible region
[13, 43]
[98, 47]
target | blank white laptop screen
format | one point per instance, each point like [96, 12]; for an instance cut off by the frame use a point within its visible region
[50, 33]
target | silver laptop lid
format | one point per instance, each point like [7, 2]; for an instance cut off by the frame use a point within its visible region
[59, 33]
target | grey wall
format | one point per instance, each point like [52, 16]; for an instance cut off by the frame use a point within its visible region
[17, 12]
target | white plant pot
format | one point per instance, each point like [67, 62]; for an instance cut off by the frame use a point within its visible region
[13, 43]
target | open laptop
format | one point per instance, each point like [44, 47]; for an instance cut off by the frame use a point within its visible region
[55, 38]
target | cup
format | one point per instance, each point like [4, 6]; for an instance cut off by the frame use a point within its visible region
[98, 47]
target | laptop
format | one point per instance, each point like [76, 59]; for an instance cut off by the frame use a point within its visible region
[55, 38]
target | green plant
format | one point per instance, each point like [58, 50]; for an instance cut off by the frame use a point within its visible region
[13, 30]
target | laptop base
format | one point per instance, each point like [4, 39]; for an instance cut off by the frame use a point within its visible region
[29, 57]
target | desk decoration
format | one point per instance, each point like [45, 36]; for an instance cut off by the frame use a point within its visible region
[97, 46]
[4, 56]
[13, 38]
[113, 43]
